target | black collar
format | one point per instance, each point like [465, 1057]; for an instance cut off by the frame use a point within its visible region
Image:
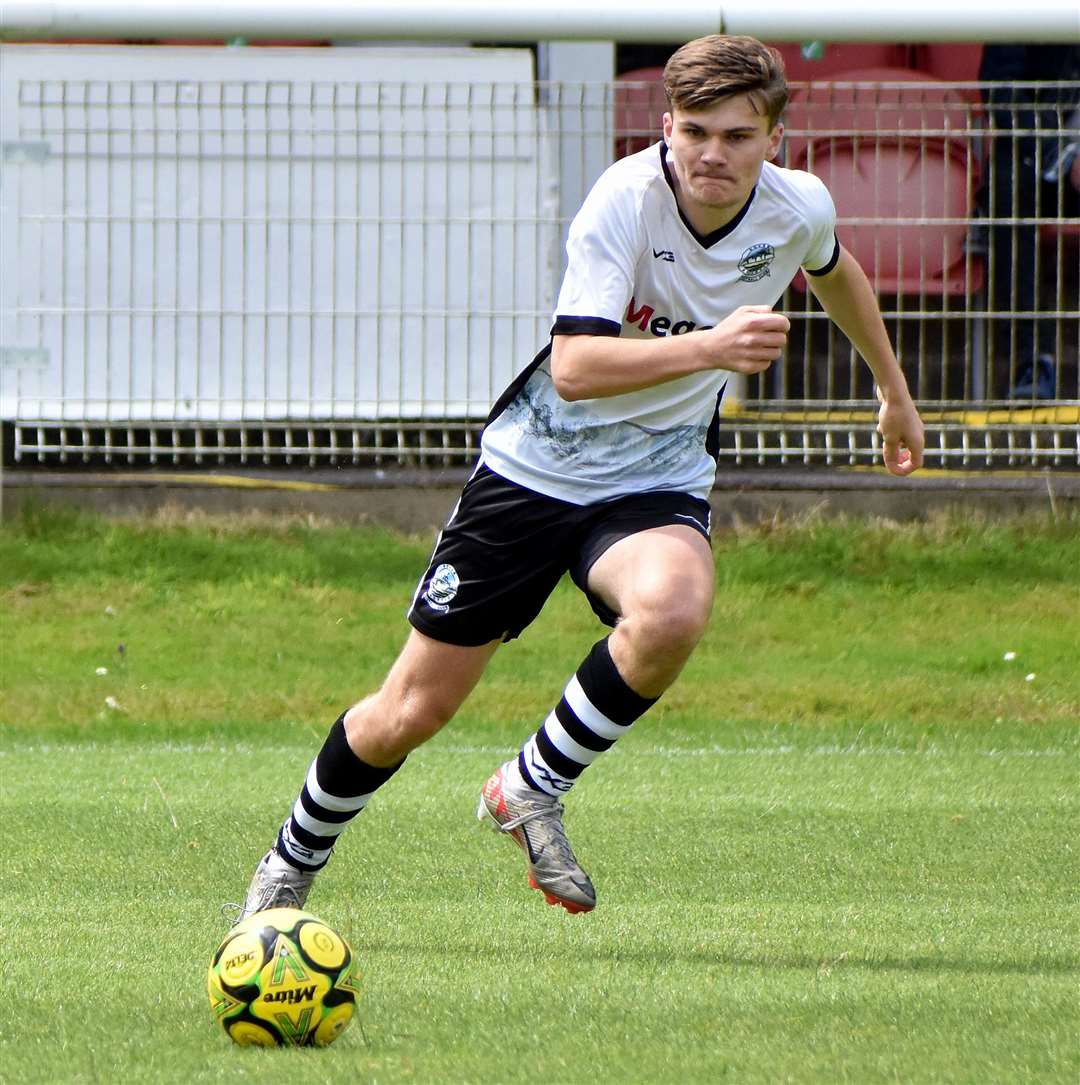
[704, 240]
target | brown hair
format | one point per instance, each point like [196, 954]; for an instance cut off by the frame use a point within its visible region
[705, 70]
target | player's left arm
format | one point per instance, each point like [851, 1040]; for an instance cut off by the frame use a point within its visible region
[847, 296]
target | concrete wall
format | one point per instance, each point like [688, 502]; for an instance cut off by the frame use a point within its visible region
[418, 502]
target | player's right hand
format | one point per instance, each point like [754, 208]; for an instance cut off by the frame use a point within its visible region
[749, 340]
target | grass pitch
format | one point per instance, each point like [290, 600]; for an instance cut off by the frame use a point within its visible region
[842, 848]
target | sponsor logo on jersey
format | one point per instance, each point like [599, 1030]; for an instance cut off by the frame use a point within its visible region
[442, 588]
[664, 254]
[644, 316]
[754, 262]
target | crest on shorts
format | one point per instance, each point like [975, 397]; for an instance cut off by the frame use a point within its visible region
[754, 262]
[442, 588]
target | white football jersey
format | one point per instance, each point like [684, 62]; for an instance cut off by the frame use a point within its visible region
[638, 268]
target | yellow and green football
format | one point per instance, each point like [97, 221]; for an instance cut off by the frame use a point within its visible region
[283, 978]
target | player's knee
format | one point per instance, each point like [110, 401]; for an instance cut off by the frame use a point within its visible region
[672, 622]
[684, 625]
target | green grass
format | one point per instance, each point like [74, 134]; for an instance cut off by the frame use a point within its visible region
[842, 848]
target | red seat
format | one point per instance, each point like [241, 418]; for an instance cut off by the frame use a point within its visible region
[1068, 229]
[640, 103]
[949, 61]
[839, 57]
[892, 146]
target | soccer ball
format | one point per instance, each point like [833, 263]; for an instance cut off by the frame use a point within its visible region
[283, 977]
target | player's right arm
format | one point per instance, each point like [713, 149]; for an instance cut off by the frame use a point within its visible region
[593, 366]
[604, 245]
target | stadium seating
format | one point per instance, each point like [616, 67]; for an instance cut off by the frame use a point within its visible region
[640, 101]
[951, 62]
[898, 154]
[839, 57]
[892, 145]
[639, 105]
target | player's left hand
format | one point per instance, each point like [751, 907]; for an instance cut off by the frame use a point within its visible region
[901, 431]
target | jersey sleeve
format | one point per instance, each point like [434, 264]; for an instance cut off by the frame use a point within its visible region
[823, 248]
[602, 251]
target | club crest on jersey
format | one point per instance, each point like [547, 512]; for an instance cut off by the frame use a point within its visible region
[754, 262]
[442, 588]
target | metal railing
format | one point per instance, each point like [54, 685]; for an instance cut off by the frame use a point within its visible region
[209, 259]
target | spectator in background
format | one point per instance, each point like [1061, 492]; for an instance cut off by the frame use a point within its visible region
[1031, 175]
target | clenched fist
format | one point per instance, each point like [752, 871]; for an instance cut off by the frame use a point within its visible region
[749, 340]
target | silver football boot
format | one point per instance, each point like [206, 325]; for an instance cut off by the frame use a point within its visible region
[275, 884]
[533, 821]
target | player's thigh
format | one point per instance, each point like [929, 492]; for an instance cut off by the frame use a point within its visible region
[663, 574]
[499, 557]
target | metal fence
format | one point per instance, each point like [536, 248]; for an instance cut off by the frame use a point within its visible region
[342, 256]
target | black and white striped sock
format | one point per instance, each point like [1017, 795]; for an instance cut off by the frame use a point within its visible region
[596, 709]
[337, 788]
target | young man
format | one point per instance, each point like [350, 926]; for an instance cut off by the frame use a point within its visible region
[597, 461]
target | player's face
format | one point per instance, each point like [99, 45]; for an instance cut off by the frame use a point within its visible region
[717, 154]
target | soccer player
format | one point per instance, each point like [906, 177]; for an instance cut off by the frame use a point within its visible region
[598, 461]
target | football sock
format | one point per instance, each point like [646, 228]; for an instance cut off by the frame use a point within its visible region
[596, 709]
[337, 788]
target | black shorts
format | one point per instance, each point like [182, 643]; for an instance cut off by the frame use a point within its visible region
[505, 548]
